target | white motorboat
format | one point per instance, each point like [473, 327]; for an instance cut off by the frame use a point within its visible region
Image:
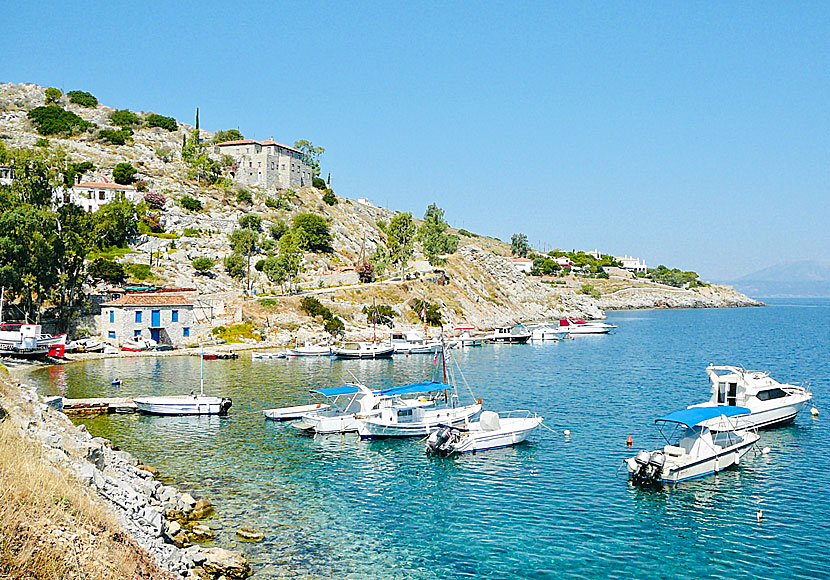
[290, 413]
[770, 403]
[310, 349]
[708, 443]
[85, 345]
[396, 419]
[138, 344]
[491, 431]
[191, 404]
[510, 334]
[27, 340]
[468, 340]
[348, 402]
[413, 342]
[363, 350]
[267, 355]
[574, 326]
[543, 332]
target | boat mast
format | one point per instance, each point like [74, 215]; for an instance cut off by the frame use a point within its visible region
[2, 296]
[201, 371]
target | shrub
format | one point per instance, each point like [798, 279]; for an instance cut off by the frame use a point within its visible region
[234, 265]
[139, 271]
[366, 272]
[237, 332]
[53, 95]
[467, 234]
[124, 173]
[319, 183]
[125, 118]
[329, 197]
[380, 314]
[169, 123]
[271, 203]
[334, 325]
[42, 143]
[590, 291]
[107, 270]
[244, 196]
[250, 221]
[154, 200]
[192, 233]
[52, 119]
[82, 98]
[429, 313]
[278, 229]
[164, 154]
[313, 231]
[190, 203]
[203, 264]
[229, 135]
[311, 306]
[115, 137]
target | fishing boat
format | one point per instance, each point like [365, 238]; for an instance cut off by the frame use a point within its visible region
[191, 404]
[491, 431]
[267, 355]
[770, 403]
[413, 342]
[28, 340]
[309, 349]
[574, 326]
[467, 340]
[706, 441]
[219, 355]
[517, 334]
[363, 350]
[291, 413]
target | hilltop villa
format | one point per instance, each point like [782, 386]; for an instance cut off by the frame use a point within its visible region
[91, 195]
[266, 164]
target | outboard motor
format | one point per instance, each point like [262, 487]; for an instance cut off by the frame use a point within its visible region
[437, 439]
[657, 461]
[225, 405]
[643, 472]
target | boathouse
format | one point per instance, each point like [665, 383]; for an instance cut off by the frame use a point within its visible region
[166, 318]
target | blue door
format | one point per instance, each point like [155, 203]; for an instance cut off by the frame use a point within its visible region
[154, 334]
[155, 321]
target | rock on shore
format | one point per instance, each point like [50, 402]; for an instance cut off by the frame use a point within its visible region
[713, 296]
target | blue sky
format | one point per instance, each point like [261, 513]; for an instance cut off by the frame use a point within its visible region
[691, 134]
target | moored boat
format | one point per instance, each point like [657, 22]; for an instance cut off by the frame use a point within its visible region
[266, 355]
[770, 403]
[708, 442]
[295, 412]
[491, 431]
[28, 340]
[517, 334]
[363, 350]
[574, 326]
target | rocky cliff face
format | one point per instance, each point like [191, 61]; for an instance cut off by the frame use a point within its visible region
[714, 296]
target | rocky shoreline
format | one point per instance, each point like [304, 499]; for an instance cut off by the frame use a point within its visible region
[158, 517]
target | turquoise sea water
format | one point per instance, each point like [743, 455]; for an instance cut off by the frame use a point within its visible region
[557, 507]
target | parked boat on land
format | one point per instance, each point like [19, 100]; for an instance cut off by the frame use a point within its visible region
[708, 443]
[191, 404]
[363, 350]
[770, 403]
[85, 345]
[491, 431]
[574, 326]
[138, 344]
[517, 334]
[28, 340]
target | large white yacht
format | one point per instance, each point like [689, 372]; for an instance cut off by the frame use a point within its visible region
[579, 326]
[770, 402]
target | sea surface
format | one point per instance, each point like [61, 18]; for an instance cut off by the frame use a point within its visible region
[556, 507]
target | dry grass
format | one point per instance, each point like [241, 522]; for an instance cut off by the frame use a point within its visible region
[50, 529]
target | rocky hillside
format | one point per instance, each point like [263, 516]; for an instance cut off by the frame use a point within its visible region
[479, 288]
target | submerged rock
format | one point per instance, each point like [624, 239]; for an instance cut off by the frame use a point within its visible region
[221, 562]
[250, 534]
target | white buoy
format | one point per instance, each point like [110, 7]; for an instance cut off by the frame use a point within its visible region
[759, 515]
[567, 432]
[814, 411]
[765, 450]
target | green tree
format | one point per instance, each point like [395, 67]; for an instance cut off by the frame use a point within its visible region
[190, 203]
[53, 120]
[278, 229]
[125, 118]
[168, 123]
[519, 246]
[244, 196]
[312, 232]
[251, 221]
[433, 236]
[401, 240]
[234, 265]
[123, 173]
[203, 264]
[428, 313]
[244, 242]
[53, 95]
[229, 135]
[290, 257]
[107, 270]
[82, 98]
[117, 223]
[380, 259]
[311, 155]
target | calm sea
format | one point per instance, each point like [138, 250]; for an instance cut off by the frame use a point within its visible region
[557, 507]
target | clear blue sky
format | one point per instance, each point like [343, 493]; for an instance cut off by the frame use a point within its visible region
[694, 135]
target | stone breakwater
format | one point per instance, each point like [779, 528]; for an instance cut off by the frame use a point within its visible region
[162, 520]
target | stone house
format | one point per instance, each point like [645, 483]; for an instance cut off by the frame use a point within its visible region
[165, 318]
[91, 195]
[266, 164]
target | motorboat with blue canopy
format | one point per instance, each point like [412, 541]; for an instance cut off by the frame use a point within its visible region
[349, 403]
[415, 389]
[704, 440]
[335, 391]
[297, 412]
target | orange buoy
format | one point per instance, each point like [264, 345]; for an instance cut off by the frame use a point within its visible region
[629, 442]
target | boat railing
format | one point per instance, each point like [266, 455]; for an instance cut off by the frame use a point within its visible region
[517, 414]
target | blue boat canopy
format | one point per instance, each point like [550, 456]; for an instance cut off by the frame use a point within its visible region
[425, 387]
[697, 415]
[334, 391]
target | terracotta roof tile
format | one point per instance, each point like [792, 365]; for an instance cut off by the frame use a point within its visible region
[149, 300]
[104, 185]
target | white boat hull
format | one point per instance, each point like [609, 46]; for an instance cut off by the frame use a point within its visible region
[378, 428]
[771, 417]
[296, 412]
[326, 425]
[365, 352]
[184, 405]
[308, 351]
[512, 432]
[267, 355]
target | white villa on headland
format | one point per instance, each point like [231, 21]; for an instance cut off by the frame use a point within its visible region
[632, 264]
[522, 264]
[91, 195]
[266, 164]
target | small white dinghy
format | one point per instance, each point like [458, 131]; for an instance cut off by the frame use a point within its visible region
[267, 355]
[296, 412]
[491, 431]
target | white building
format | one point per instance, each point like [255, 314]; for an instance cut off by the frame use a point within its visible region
[365, 201]
[6, 175]
[91, 195]
[266, 164]
[165, 318]
[632, 264]
[522, 264]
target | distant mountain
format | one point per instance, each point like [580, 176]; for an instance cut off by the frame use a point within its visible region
[807, 278]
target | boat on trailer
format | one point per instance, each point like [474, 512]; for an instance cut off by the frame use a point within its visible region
[770, 403]
[706, 441]
[491, 431]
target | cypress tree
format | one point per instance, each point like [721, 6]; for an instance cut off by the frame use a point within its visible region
[197, 118]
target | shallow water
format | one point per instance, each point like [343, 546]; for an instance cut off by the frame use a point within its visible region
[557, 507]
